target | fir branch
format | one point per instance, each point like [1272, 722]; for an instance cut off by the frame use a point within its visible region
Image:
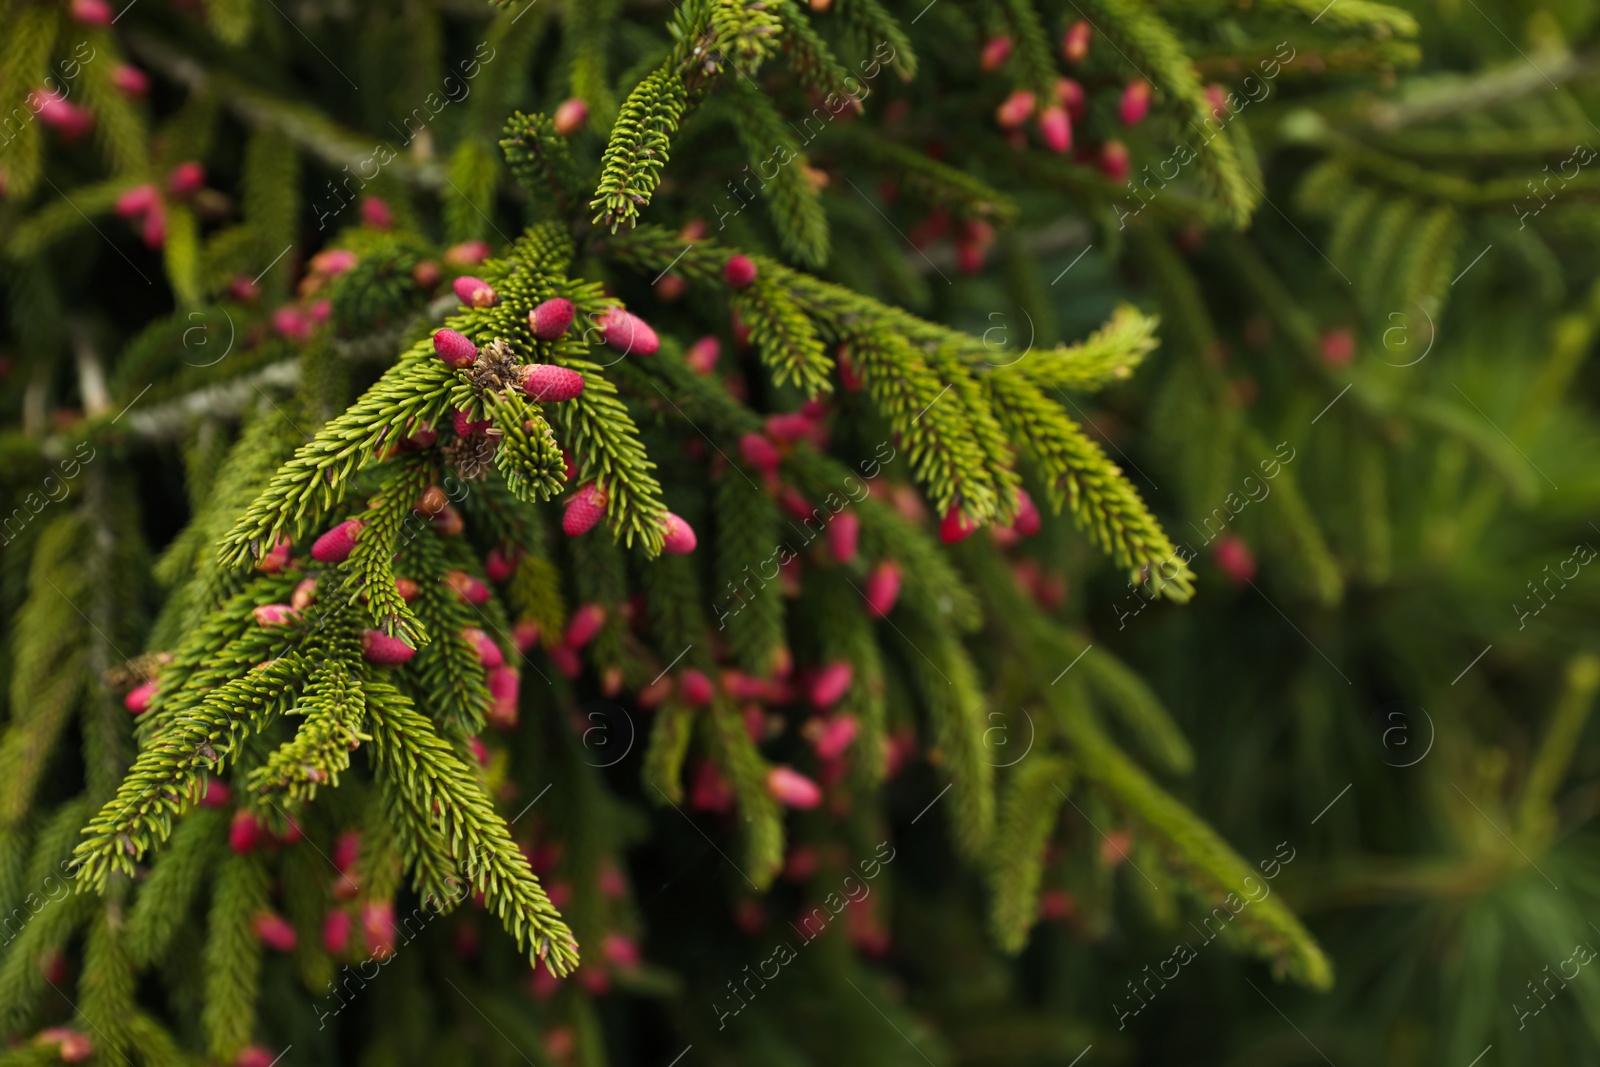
[333, 706]
[1029, 803]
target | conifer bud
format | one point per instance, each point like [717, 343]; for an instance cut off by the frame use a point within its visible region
[407, 589]
[336, 931]
[1069, 94]
[244, 832]
[570, 116]
[654, 694]
[70, 1045]
[671, 287]
[996, 50]
[1235, 559]
[843, 534]
[214, 793]
[501, 563]
[375, 213]
[1027, 522]
[1075, 42]
[378, 647]
[696, 688]
[831, 684]
[551, 384]
[505, 683]
[1113, 161]
[466, 587]
[1055, 128]
[834, 736]
[466, 253]
[454, 349]
[792, 789]
[336, 545]
[92, 12]
[269, 615]
[680, 539]
[550, 319]
[479, 750]
[55, 111]
[449, 523]
[955, 526]
[883, 588]
[155, 235]
[583, 625]
[275, 558]
[525, 635]
[377, 926]
[1338, 347]
[739, 272]
[789, 426]
[702, 356]
[254, 1056]
[758, 451]
[138, 701]
[474, 292]
[489, 653]
[566, 661]
[584, 511]
[130, 80]
[136, 201]
[1135, 102]
[627, 332]
[466, 426]
[186, 179]
[1014, 110]
[346, 850]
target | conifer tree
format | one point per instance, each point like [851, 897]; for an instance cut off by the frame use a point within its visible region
[776, 532]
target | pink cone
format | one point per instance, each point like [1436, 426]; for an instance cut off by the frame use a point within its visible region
[244, 832]
[551, 384]
[1114, 162]
[627, 332]
[570, 116]
[1135, 102]
[186, 179]
[793, 789]
[505, 685]
[702, 356]
[385, 651]
[92, 12]
[475, 292]
[584, 625]
[454, 349]
[466, 427]
[336, 545]
[375, 213]
[1014, 110]
[843, 533]
[996, 50]
[567, 661]
[696, 688]
[584, 511]
[831, 684]
[466, 587]
[214, 793]
[789, 426]
[739, 272]
[1075, 42]
[883, 588]
[1235, 559]
[1070, 95]
[138, 701]
[758, 451]
[130, 81]
[499, 564]
[680, 539]
[274, 931]
[1027, 522]
[955, 526]
[377, 926]
[550, 319]
[346, 850]
[835, 736]
[136, 201]
[525, 634]
[336, 931]
[489, 653]
[1056, 129]
[466, 253]
[274, 614]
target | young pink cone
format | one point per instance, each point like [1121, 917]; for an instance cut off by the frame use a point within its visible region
[70, 1045]
[138, 701]
[701, 357]
[244, 832]
[996, 50]
[346, 850]
[466, 427]
[739, 272]
[254, 1056]
[584, 511]
[155, 235]
[92, 12]
[407, 588]
[130, 80]
[570, 116]
[214, 793]
[1075, 42]
[696, 688]
[136, 201]
[1070, 95]
[377, 926]
[525, 635]
[955, 526]
[550, 319]
[835, 736]
[336, 931]
[475, 292]
[1135, 102]
[1113, 162]
[53, 110]
[792, 789]
[504, 685]
[274, 614]
[333, 262]
[336, 545]
[378, 647]
[375, 213]
[680, 539]
[709, 790]
[489, 653]
[1235, 559]
[843, 533]
[830, 684]
[567, 661]
[551, 384]
[454, 349]
[627, 332]
[467, 253]
[1028, 521]
[789, 426]
[758, 451]
[466, 587]
[1055, 128]
[499, 564]
[883, 587]
[479, 750]
[1338, 347]
[583, 625]
[186, 179]
[1014, 110]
